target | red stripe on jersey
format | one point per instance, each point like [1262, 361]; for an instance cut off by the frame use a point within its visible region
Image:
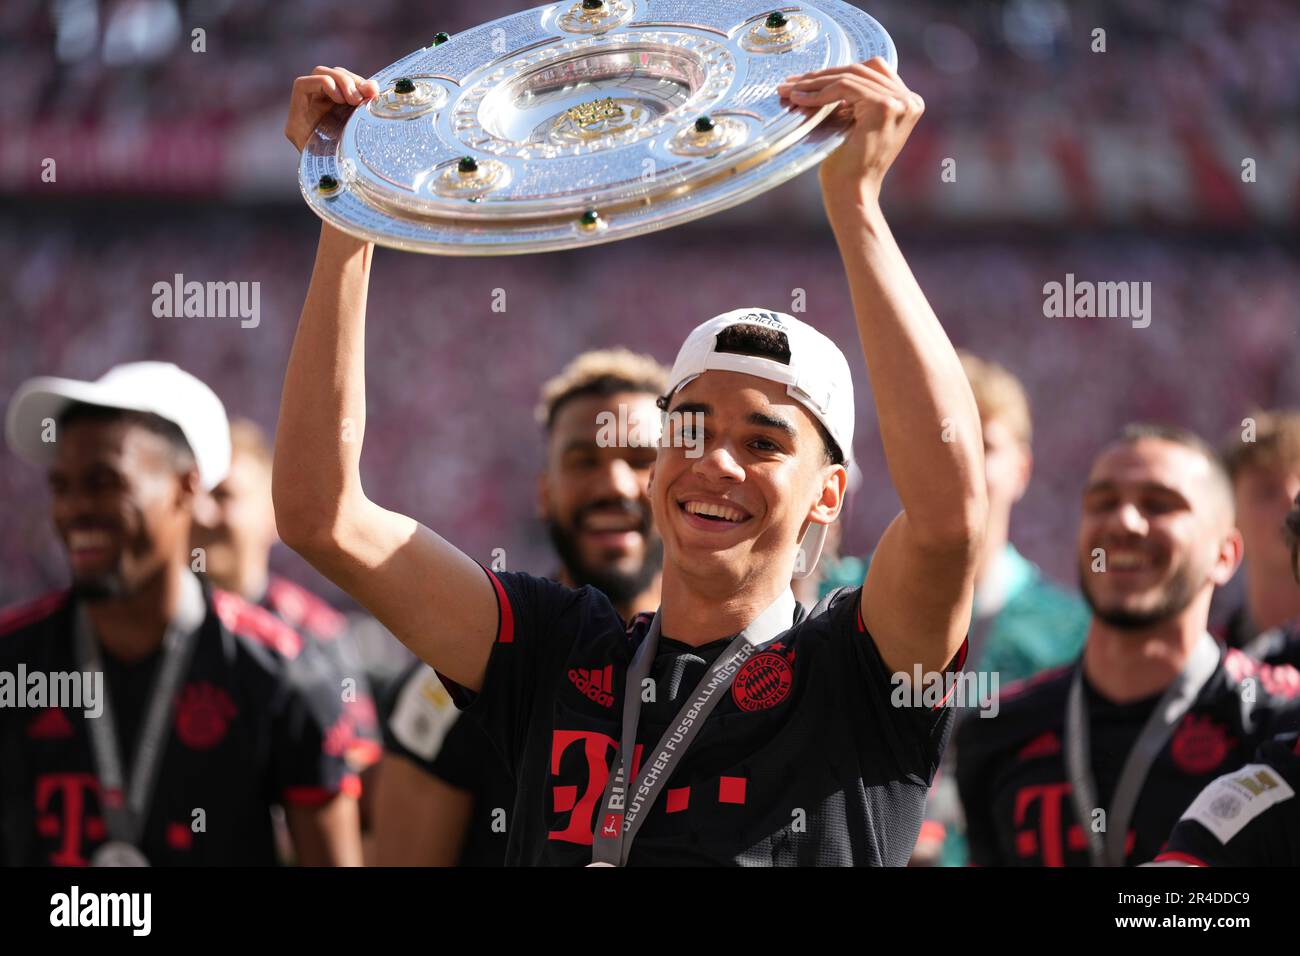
[251, 621]
[29, 612]
[349, 786]
[303, 609]
[505, 616]
[1176, 856]
[959, 661]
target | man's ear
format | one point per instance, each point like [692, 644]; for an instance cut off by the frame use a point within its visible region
[1231, 549]
[189, 489]
[827, 507]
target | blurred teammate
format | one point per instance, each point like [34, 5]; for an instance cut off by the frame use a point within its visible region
[1022, 623]
[1093, 763]
[236, 535]
[793, 751]
[445, 795]
[1250, 817]
[1265, 473]
[205, 717]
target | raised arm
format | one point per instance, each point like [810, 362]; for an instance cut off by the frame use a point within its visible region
[433, 597]
[917, 594]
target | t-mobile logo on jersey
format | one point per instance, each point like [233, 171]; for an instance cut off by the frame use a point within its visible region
[134, 910]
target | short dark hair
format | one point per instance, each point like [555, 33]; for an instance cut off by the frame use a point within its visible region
[183, 455]
[602, 373]
[763, 342]
[1135, 432]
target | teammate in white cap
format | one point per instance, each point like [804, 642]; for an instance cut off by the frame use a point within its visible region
[196, 699]
[740, 728]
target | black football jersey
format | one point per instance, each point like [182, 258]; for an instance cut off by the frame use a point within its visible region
[804, 761]
[1011, 769]
[1249, 817]
[1278, 646]
[325, 627]
[251, 726]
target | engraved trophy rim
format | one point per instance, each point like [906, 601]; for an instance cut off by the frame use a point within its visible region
[547, 145]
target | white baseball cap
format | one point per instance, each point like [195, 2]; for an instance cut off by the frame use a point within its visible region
[817, 376]
[157, 387]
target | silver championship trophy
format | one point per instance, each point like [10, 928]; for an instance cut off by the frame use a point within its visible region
[581, 122]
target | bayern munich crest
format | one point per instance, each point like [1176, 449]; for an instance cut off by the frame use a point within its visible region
[580, 122]
[763, 682]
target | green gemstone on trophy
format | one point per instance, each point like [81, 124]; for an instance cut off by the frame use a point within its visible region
[328, 183]
[776, 20]
[404, 86]
[440, 38]
[590, 219]
[467, 164]
[592, 4]
[704, 124]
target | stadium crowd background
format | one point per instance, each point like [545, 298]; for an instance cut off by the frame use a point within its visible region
[1114, 166]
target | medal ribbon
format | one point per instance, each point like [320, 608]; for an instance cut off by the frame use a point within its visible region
[126, 801]
[621, 818]
[1107, 849]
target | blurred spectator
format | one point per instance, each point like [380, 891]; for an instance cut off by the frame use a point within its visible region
[1263, 458]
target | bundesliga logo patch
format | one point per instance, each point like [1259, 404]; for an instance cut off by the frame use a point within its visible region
[763, 682]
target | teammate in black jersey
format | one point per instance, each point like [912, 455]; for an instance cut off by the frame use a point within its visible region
[236, 535]
[807, 755]
[223, 693]
[1156, 537]
[1250, 817]
[445, 793]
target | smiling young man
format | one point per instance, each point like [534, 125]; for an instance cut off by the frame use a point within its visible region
[740, 728]
[445, 796]
[1091, 764]
[212, 711]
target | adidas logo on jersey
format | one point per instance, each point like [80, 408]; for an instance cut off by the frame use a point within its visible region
[597, 685]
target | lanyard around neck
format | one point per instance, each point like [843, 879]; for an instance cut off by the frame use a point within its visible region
[126, 799]
[622, 814]
[1106, 846]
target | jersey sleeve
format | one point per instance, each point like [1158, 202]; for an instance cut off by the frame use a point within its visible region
[311, 732]
[464, 756]
[537, 623]
[1249, 817]
[915, 725]
[421, 717]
